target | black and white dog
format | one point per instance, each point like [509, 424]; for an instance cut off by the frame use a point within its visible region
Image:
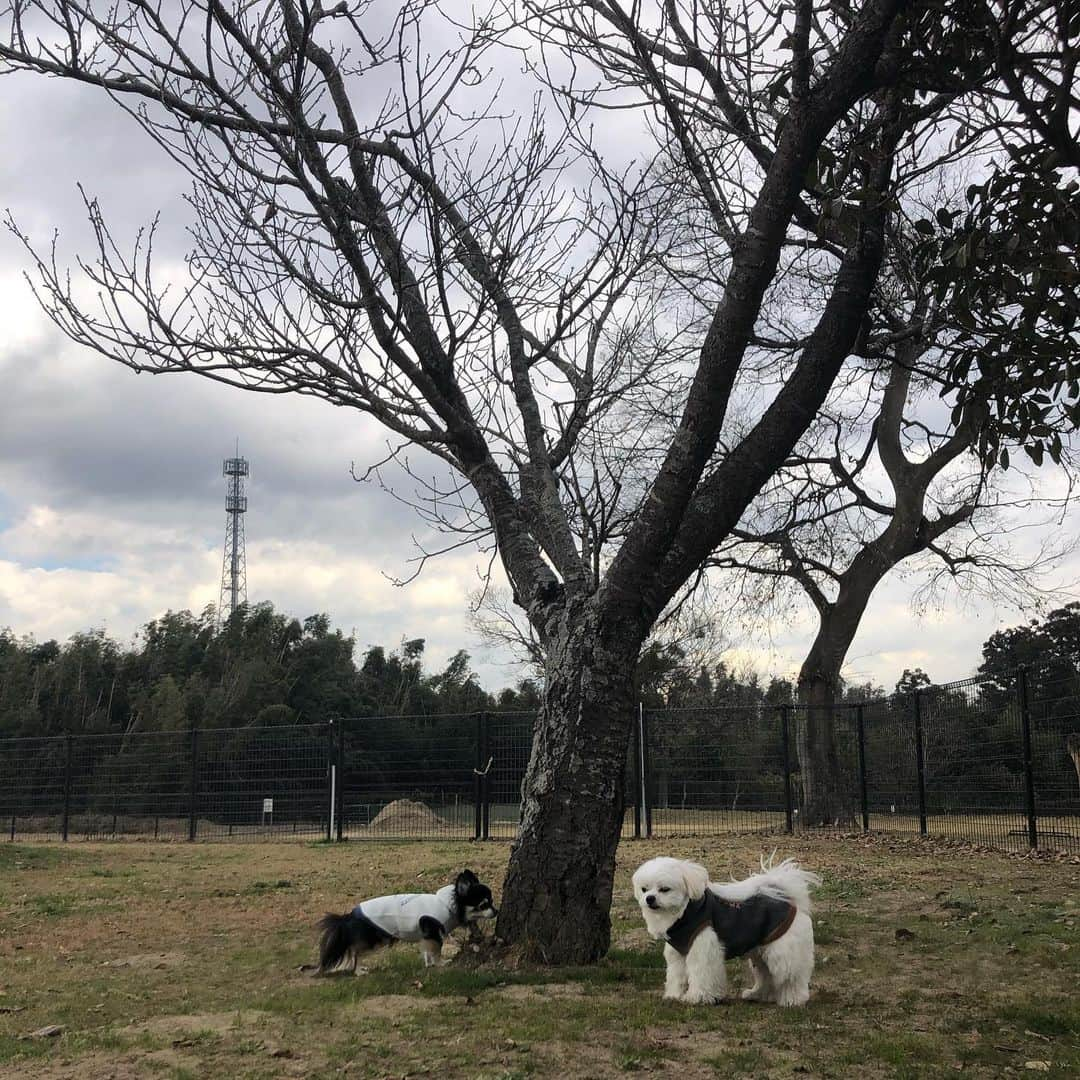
[423, 917]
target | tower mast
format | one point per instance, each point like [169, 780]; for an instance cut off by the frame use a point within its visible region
[234, 563]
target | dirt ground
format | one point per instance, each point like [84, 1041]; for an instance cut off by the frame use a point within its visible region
[181, 960]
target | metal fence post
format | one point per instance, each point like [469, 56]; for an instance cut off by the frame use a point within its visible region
[785, 737]
[639, 787]
[1024, 699]
[863, 803]
[478, 778]
[193, 790]
[920, 763]
[485, 778]
[643, 736]
[339, 774]
[67, 787]
[331, 781]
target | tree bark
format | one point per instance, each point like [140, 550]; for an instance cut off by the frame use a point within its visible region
[557, 894]
[826, 797]
[1072, 744]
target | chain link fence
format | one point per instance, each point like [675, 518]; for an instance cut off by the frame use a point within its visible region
[982, 760]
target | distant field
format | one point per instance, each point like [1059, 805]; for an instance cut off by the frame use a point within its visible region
[180, 961]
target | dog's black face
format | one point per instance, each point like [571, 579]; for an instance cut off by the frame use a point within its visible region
[473, 897]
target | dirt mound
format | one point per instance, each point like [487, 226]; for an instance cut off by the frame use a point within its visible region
[404, 816]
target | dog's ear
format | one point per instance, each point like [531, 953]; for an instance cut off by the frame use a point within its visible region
[696, 879]
[466, 880]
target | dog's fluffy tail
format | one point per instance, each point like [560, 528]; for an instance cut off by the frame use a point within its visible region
[788, 881]
[335, 939]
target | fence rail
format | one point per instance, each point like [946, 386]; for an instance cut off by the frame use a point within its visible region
[982, 760]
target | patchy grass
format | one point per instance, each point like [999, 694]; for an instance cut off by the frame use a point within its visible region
[181, 961]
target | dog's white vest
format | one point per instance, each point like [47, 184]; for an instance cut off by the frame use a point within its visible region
[400, 915]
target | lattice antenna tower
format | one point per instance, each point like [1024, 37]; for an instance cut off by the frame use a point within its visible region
[234, 563]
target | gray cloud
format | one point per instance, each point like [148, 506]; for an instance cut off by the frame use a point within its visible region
[111, 498]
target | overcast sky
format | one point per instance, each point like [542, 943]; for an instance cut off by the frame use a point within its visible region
[111, 494]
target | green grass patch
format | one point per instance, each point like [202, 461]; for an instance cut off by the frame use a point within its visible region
[21, 857]
[1059, 1020]
[749, 1061]
[268, 886]
[52, 905]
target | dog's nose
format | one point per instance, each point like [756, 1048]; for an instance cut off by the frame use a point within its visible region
[650, 900]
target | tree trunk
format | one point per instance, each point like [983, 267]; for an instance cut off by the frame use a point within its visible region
[1072, 744]
[828, 798]
[556, 898]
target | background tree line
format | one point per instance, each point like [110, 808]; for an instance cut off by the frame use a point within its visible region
[262, 667]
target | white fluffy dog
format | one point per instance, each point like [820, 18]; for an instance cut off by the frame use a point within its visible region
[765, 917]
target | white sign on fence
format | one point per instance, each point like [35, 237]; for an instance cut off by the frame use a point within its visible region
[268, 806]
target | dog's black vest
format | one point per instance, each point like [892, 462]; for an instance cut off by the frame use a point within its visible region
[740, 925]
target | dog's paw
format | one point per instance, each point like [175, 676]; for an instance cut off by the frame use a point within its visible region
[701, 997]
[792, 1001]
[755, 995]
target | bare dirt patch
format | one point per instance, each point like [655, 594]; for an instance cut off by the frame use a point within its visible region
[148, 960]
[394, 1006]
[587, 1061]
[100, 1066]
[600, 1061]
[192, 1023]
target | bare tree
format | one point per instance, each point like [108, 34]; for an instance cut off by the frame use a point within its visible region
[378, 227]
[891, 475]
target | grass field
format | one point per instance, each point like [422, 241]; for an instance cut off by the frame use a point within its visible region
[177, 960]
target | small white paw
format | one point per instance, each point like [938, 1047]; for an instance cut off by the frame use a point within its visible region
[793, 1000]
[701, 997]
